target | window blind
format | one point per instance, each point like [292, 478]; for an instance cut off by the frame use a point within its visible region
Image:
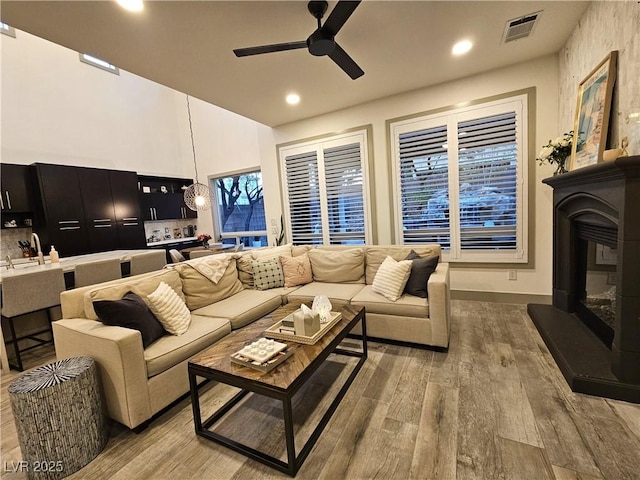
[304, 198]
[487, 179]
[345, 196]
[424, 173]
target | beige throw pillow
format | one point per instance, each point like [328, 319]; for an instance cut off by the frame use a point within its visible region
[391, 278]
[297, 270]
[337, 266]
[169, 309]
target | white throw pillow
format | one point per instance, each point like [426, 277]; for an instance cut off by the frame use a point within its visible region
[169, 309]
[391, 278]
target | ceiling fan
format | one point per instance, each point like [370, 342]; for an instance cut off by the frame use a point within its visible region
[322, 41]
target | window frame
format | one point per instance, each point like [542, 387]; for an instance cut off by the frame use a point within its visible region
[451, 117]
[215, 210]
[361, 135]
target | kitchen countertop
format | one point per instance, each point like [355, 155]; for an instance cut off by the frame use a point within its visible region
[24, 266]
[171, 240]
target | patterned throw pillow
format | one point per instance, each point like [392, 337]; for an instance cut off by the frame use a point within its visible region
[267, 274]
[297, 270]
[169, 309]
[391, 278]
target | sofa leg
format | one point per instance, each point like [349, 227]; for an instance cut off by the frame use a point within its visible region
[141, 428]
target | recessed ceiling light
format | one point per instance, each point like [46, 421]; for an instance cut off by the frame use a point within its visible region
[461, 47]
[131, 5]
[293, 99]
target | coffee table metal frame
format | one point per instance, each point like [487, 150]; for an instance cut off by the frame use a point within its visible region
[293, 464]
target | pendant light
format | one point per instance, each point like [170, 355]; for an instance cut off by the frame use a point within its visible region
[197, 196]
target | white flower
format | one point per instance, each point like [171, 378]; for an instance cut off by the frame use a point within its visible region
[557, 142]
[566, 142]
[545, 152]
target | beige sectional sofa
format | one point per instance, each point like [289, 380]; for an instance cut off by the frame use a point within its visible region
[139, 382]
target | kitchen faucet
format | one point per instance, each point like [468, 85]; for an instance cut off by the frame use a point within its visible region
[35, 242]
[9, 262]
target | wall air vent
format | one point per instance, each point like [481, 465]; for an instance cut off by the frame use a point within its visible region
[520, 27]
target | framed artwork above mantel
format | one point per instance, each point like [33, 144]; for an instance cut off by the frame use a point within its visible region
[592, 113]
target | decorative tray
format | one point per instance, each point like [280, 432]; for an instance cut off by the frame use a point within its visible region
[274, 330]
[262, 356]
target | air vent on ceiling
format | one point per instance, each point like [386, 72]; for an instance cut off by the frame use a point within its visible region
[520, 27]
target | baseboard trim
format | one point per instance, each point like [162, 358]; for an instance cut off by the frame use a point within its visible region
[500, 297]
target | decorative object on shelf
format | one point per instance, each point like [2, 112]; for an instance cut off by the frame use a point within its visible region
[322, 306]
[197, 196]
[204, 238]
[592, 113]
[557, 152]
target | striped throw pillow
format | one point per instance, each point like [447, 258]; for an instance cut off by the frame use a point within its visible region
[169, 309]
[391, 278]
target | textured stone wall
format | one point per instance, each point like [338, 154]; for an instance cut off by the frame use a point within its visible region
[605, 26]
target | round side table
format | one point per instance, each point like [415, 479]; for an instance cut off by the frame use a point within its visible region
[59, 417]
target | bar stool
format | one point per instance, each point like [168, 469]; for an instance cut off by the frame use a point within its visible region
[176, 256]
[147, 262]
[30, 292]
[97, 272]
[200, 253]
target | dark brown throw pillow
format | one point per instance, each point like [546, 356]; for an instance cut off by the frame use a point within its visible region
[421, 270]
[130, 312]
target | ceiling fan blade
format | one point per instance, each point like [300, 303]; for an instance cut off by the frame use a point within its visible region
[277, 47]
[339, 15]
[346, 63]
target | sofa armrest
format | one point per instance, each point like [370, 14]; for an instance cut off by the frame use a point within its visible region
[440, 304]
[119, 356]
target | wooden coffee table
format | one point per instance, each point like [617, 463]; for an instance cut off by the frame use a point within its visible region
[281, 383]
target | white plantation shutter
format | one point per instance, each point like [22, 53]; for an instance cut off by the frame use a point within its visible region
[325, 186]
[345, 195]
[487, 176]
[459, 179]
[304, 198]
[424, 186]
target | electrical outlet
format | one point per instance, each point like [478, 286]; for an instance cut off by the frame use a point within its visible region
[611, 278]
[274, 230]
[274, 222]
[513, 275]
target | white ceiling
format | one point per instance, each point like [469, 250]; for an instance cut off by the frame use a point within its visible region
[401, 46]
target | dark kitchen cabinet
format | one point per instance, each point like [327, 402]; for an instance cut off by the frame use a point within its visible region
[162, 198]
[61, 220]
[130, 226]
[16, 195]
[97, 200]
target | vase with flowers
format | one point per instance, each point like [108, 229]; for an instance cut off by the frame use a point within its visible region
[204, 238]
[556, 152]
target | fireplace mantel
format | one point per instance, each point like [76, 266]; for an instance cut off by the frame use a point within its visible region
[600, 202]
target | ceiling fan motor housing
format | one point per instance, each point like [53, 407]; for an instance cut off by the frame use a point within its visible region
[321, 43]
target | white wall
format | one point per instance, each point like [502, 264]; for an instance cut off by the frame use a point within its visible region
[56, 109]
[541, 73]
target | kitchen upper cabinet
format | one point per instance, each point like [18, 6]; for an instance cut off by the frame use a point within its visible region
[130, 226]
[162, 198]
[17, 192]
[97, 200]
[62, 219]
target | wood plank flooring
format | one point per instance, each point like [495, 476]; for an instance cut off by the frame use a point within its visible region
[495, 406]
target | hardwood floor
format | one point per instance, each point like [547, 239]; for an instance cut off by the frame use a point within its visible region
[494, 406]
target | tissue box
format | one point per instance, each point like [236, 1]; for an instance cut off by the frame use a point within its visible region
[307, 324]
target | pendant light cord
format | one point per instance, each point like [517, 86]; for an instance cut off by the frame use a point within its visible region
[193, 146]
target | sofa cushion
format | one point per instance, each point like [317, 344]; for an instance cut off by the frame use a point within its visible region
[199, 291]
[272, 252]
[169, 309]
[141, 285]
[421, 270]
[337, 266]
[170, 350]
[376, 254]
[297, 270]
[244, 307]
[244, 262]
[338, 293]
[391, 278]
[130, 312]
[267, 273]
[405, 306]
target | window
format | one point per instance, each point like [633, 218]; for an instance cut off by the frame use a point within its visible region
[460, 181]
[239, 214]
[325, 190]
[97, 62]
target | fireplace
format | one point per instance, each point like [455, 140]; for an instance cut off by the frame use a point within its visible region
[595, 337]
